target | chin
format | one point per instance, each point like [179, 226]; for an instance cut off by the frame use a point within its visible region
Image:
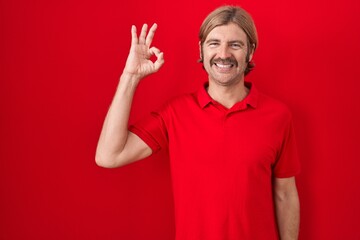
[226, 81]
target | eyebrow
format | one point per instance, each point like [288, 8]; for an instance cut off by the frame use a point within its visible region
[237, 41]
[231, 42]
[212, 40]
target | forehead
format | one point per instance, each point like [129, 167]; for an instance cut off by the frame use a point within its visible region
[229, 32]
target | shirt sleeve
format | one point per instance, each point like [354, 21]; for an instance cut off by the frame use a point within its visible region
[287, 163]
[152, 130]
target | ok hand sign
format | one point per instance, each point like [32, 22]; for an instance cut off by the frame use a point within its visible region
[138, 63]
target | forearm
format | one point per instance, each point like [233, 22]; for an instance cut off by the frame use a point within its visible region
[114, 132]
[116, 146]
[288, 215]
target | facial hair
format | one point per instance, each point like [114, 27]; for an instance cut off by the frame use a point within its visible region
[225, 61]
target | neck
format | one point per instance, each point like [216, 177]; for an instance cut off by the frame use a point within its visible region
[228, 95]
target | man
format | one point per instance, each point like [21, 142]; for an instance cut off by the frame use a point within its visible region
[232, 149]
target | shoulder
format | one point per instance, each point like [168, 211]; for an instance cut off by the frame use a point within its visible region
[183, 98]
[272, 106]
[181, 101]
[177, 106]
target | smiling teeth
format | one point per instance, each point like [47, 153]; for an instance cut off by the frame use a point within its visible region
[223, 66]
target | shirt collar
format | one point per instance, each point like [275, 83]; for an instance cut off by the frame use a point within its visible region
[251, 99]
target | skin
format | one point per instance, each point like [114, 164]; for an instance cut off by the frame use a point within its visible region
[287, 208]
[224, 57]
[117, 146]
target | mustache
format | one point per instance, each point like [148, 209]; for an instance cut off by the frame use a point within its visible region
[224, 61]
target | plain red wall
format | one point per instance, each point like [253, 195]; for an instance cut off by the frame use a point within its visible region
[59, 67]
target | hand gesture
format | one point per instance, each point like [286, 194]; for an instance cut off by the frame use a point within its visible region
[138, 63]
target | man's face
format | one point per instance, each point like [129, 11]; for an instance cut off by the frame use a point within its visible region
[224, 54]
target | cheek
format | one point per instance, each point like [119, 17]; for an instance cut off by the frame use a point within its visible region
[207, 53]
[242, 58]
[206, 63]
[208, 57]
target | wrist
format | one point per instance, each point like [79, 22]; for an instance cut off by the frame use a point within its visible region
[130, 79]
[130, 76]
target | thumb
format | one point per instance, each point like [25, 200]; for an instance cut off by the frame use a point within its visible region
[159, 58]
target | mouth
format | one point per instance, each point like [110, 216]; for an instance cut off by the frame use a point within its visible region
[224, 66]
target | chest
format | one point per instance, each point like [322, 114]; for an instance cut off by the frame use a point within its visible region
[241, 140]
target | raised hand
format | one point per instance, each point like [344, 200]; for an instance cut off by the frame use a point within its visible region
[117, 146]
[138, 63]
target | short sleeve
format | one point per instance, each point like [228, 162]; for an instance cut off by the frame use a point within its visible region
[287, 163]
[152, 130]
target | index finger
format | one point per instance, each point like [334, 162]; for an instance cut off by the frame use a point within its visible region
[150, 36]
[134, 38]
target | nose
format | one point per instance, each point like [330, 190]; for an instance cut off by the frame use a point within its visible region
[224, 52]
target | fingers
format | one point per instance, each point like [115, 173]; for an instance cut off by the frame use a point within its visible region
[134, 39]
[143, 38]
[159, 61]
[159, 57]
[143, 34]
[150, 35]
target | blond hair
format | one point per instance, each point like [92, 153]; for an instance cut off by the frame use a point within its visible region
[231, 14]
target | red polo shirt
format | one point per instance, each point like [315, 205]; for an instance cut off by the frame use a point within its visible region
[222, 162]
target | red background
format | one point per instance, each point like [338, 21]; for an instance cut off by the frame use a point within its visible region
[60, 64]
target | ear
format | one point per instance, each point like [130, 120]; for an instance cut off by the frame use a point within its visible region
[251, 52]
[200, 51]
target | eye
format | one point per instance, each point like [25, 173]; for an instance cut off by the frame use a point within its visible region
[235, 45]
[213, 44]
